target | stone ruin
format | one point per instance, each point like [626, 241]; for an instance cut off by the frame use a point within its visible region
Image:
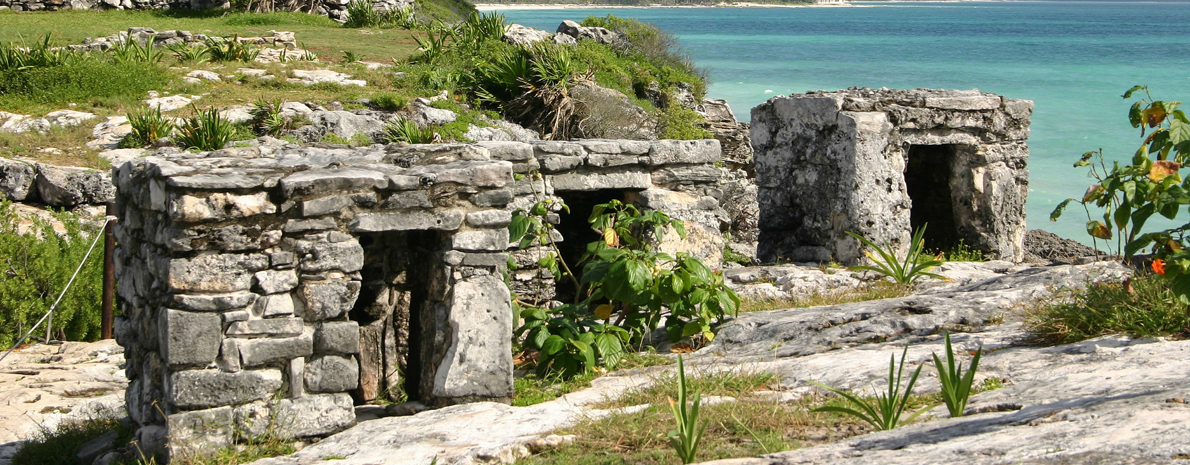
[273, 287]
[882, 163]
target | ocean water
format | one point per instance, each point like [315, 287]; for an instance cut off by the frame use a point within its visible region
[1073, 59]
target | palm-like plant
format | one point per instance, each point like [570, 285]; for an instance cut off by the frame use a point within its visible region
[915, 265]
[147, 127]
[403, 130]
[884, 412]
[956, 386]
[205, 131]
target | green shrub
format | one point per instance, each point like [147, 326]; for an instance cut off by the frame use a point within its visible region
[362, 13]
[205, 131]
[59, 446]
[676, 122]
[36, 267]
[268, 120]
[39, 55]
[131, 51]
[1146, 306]
[80, 81]
[190, 54]
[231, 49]
[445, 11]
[390, 102]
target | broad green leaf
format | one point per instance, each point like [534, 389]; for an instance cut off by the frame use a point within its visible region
[518, 227]
[540, 336]
[553, 344]
[639, 276]
[1128, 93]
[1058, 211]
[698, 270]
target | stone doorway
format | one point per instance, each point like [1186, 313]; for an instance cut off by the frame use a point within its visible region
[396, 278]
[928, 175]
[577, 233]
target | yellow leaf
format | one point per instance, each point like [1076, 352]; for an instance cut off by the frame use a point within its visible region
[1162, 169]
[604, 311]
[1100, 230]
[611, 238]
[1092, 192]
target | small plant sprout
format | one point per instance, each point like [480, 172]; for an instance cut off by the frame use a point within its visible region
[685, 439]
[915, 265]
[956, 386]
[884, 412]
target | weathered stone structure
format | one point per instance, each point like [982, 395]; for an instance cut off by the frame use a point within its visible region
[335, 9]
[267, 286]
[883, 162]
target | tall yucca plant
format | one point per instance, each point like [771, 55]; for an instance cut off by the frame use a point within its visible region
[884, 412]
[205, 131]
[685, 439]
[915, 265]
[956, 386]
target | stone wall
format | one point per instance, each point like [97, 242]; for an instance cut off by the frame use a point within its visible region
[881, 162]
[335, 9]
[268, 285]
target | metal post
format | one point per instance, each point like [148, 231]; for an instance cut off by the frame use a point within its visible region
[109, 271]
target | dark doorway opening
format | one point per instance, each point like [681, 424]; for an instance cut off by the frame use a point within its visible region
[395, 288]
[577, 233]
[927, 178]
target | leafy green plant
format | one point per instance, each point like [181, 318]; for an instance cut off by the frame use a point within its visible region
[961, 252]
[478, 28]
[390, 102]
[404, 130]
[915, 265]
[626, 288]
[131, 51]
[1152, 184]
[61, 444]
[685, 439]
[956, 386]
[148, 126]
[884, 412]
[36, 265]
[205, 131]
[350, 57]
[190, 54]
[434, 45]
[41, 55]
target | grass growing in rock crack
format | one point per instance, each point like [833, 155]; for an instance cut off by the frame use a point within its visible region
[531, 390]
[1147, 307]
[874, 291]
[59, 446]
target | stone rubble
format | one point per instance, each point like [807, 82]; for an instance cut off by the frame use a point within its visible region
[55, 186]
[20, 124]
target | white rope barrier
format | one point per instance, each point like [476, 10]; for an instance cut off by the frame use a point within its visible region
[98, 235]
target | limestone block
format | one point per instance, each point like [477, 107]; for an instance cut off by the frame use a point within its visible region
[664, 152]
[219, 206]
[477, 361]
[604, 160]
[256, 352]
[411, 199]
[200, 432]
[404, 221]
[276, 281]
[336, 337]
[485, 259]
[508, 151]
[556, 163]
[468, 172]
[16, 180]
[272, 327]
[217, 181]
[602, 180]
[489, 218]
[66, 187]
[229, 356]
[335, 203]
[332, 181]
[572, 149]
[314, 415]
[331, 373]
[686, 174]
[275, 305]
[497, 198]
[316, 256]
[215, 272]
[482, 239]
[401, 182]
[213, 302]
[191, 338]
[193, 389]
[976, 102]
[253, 419]
[308, 224]
[319, 301]
[615, 147]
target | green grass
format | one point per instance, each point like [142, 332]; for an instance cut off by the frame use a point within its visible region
[731, 383]
[58, 447]
[81, 81]
[873, 291]
[1150, 308]
[750, 426]
[531, 390]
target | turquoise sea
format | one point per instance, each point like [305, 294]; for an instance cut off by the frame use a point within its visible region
[1073, 59]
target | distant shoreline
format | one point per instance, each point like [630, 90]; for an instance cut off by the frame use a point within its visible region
[571, 6]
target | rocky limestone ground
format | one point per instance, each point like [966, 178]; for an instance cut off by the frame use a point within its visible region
[42, 385]
[1113, 398]
[1107, 400]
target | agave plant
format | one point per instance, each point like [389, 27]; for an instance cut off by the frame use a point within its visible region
[403, 130]
[131, 51]
[915, 265]
[362, 13]
[41, 55]
[148, 126]
[884, 412]
[686, 438]
[956, 386]
[479, 28]
[207, 130]
[190, 54]
[433, 46]
[267, 118]
[231, 49]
